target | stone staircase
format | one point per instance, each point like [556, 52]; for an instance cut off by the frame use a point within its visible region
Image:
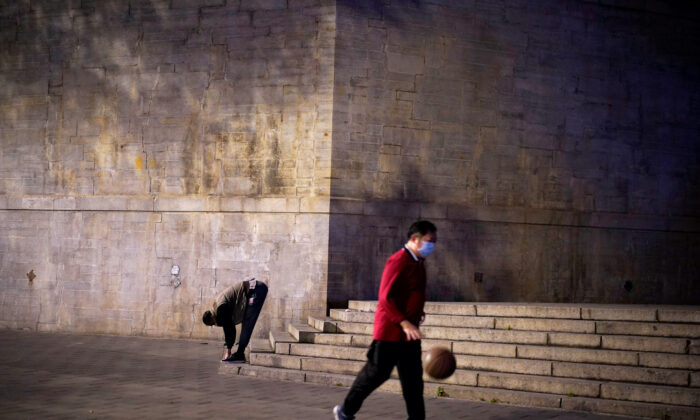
[634, 360]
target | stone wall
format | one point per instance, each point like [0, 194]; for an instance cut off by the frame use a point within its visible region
[554, 144]
[141, 134]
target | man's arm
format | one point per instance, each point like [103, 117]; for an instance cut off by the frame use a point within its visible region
[392, 269]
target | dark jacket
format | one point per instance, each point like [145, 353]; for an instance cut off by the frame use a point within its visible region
[229, 308]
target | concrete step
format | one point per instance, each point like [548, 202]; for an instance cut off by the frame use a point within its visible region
[602, 312]
[567, 363]
[653, 329]
[620, 373]
[534, 383]
[482, 393]
[610, 357]
[302, 332]
[540, 331]
[651, 393]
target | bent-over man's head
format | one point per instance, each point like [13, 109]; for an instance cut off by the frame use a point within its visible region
[208, 318]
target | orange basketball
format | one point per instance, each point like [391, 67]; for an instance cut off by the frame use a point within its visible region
[439, 363]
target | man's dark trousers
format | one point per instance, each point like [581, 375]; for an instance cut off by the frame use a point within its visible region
[250, 316]
[381, 359]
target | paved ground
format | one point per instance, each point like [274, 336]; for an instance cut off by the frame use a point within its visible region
[79, 376]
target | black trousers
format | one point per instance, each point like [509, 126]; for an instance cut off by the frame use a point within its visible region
[381, 359]
[250, 316]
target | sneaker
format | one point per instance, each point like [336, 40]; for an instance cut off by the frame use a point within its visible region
[339, 415]
[236, 358]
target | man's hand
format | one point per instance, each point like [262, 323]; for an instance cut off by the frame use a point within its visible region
[422, 319]
[227, 354]
[412, 332]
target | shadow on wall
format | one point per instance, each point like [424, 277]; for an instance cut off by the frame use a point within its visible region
[107, 94]
[538, 140]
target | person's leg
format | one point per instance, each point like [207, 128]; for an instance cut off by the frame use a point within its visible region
[411, 377]
[381, 359]
[250, 316]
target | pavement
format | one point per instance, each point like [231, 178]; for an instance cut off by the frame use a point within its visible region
[50, 375]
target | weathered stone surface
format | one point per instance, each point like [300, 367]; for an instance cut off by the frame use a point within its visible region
[532, 310]
[619, 313]
[327, 351]
[578, 355]
[654, 344]
[534, 383]
[484, 349]
[545, 325]
[620, 373]
[574, 340]
[651, 393]
[670, 361]
[648, 329]
[498, 364]
[275, 360]
[474, 334]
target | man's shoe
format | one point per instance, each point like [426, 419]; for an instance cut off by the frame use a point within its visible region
[235, 358]
[339, 415]
[238, 358]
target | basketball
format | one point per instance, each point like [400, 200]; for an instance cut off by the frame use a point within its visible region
[440, 363]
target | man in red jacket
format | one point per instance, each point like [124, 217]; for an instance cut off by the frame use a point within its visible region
[396, 338]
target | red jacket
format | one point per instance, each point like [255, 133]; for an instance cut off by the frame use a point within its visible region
[401, 296]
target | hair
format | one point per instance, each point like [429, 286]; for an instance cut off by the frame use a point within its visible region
[208, 318]
[421, 227]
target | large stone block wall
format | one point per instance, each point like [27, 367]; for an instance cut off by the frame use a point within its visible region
[555, 145]
[141, 134]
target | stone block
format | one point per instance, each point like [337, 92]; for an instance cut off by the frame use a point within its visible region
[499, 364]
[694, 347]
[656, 329]
[528, 310]
[545, 325]
[669, 361]
[574, 340]
[333, 339]
[619, 313]
[484, 335]
[302, 332]
[326, 351]
[651, 394]
[484, 349]
[689, 315]
[179, 204]
[652, 344]
[533, 383]
[458, 321]
[578, 355]
[275, 360]
[695, 379]
[450, 308]
[405, 63]
[97, 203]
[337, 366]
[354, 328]
[620, 373]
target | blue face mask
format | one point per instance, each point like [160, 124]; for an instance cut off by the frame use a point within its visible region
[426, 249]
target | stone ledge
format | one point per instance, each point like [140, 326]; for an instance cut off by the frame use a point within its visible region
[162, 203]
[601, 220]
